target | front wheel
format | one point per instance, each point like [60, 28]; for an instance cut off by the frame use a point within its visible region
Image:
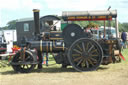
[23, 66]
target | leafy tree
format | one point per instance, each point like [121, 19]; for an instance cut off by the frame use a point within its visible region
[125, 26]
[4, 28]
[12, 24]
[81, 23]
[121, 28]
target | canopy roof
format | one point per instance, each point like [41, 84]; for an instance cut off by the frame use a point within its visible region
[49, 18]
[89, 15]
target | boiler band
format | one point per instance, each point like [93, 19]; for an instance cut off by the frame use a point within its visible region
[48, 46]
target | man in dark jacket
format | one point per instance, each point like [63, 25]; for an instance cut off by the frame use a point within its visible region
[124, 38]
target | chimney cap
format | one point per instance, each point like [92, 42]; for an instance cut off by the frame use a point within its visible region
[36, 10]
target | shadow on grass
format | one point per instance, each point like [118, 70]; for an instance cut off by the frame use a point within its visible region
[48, 70]
[44, 70]
[54, 70]
[102, 68]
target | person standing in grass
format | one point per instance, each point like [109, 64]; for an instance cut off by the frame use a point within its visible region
[124, 38]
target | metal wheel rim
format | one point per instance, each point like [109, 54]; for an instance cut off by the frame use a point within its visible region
[76, 62]
[23, 67]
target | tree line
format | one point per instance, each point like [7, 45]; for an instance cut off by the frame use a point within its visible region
[122, 26]
[10, 25]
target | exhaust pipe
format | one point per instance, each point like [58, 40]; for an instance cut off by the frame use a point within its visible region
[36, 21]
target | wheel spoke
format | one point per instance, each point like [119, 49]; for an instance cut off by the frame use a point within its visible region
[83, 46]
[76, 59]
[79, 62]
[77, 51]
[94, 55]
[83, 63]
[90, 48]
[76, 55]
[95, 50]
[27, 66]
[87, 46]
[87, 64]
[79, 47]
[90, 62]
[93, 59]
[27, 58]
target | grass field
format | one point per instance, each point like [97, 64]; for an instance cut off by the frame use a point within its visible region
[112, 74]
[125, 53]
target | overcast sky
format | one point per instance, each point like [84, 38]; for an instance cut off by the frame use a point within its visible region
[17, 9]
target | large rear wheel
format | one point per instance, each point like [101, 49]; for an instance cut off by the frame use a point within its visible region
[85, 55]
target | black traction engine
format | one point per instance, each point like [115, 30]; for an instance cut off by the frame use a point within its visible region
[72, 47]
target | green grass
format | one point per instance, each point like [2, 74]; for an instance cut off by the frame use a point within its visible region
[125, 54]
[57, 67]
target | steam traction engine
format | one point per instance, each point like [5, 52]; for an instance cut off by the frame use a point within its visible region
[73, 47]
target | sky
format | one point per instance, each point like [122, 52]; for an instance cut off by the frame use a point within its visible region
[18, 9]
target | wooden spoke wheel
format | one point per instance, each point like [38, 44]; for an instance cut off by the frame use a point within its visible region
[85, 54]
[25, 65]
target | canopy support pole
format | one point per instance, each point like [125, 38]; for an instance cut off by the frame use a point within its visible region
[117, 30]
[104, 29]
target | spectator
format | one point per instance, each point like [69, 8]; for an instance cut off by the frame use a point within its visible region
[124, 38]
[100, 34]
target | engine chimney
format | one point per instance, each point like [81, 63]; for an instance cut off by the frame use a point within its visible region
[36, 21]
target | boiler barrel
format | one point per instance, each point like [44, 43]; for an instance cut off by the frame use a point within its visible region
[48, 46]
